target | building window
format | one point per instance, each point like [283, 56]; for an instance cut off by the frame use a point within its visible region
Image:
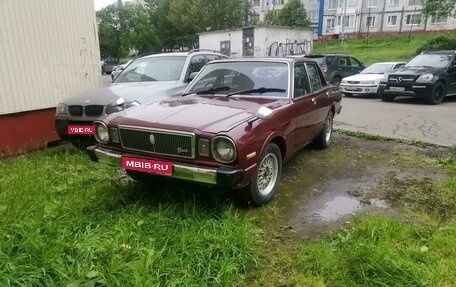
[439, 18]
[392, 20]
[349, 21]
[352, 3]
[370, 22]
[394, 2]
[415, 2]
[338, 20]
[332, 4]
[413, 19]
[256, 2]
[330, 23]
[372, 3]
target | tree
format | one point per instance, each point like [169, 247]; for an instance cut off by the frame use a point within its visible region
[192, 16]
[293, 14]
[122, 28]
[166, 32]
[440, 7]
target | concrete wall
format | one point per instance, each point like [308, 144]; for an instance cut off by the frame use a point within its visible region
[211, 41]
[282, 39]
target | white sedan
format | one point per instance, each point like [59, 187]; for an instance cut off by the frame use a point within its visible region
[368, 80]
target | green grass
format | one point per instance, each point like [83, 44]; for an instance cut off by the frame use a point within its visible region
[379, 250]
[382, 251]
[65, 221]
[379, 49]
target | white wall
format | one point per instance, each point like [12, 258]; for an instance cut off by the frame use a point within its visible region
[49, 51]
[263, 38]
[211, 41]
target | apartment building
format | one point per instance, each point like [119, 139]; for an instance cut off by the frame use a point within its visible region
[344, 18]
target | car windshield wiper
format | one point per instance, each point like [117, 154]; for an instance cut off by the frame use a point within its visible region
[208, 91]
[261, 90]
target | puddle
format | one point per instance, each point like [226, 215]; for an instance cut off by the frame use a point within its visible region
[338, 207]
[337, 201]
[323, 190]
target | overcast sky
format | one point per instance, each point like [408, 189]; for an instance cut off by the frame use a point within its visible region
[99, 4]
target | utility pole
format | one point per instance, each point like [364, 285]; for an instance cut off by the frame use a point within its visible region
[343, 19]
[368, 22]
[412, 20]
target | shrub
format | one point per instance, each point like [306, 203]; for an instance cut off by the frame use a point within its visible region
[438, 43]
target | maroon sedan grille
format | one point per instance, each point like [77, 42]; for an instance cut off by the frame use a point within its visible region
[75, 111]
[93, 110]
[158, 142]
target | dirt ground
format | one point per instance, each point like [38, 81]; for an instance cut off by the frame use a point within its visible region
[322, 189]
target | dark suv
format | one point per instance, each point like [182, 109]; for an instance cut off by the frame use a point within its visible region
[430, 76]
[335, 67]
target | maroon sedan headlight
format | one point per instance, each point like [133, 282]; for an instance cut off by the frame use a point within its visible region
[101, 132]
[223, 149]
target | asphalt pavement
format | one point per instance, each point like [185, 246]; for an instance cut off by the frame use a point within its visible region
[405, 118]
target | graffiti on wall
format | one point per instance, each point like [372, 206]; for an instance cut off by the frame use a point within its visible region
[290, 48]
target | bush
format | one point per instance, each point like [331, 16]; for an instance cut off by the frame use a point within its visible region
[438, 43]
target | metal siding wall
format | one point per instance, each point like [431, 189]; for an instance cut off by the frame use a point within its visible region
[49, 51]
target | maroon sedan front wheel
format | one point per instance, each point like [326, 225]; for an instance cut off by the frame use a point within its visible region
[265, 181]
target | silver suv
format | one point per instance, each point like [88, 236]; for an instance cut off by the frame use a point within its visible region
[147, 79]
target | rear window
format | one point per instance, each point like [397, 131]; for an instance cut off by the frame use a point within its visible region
[320, 60]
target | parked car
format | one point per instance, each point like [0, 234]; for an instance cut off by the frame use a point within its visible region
[118, 69]
[234, 126]
[368, 80]
[430, 76]
[108, 65]
[148, 78]
[337, 66]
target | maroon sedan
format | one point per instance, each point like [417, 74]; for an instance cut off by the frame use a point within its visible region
[234, 126]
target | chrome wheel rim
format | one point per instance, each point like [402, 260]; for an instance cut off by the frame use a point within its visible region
[328, 129]
[268, 172]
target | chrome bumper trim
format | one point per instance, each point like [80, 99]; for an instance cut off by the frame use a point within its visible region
[180, 171]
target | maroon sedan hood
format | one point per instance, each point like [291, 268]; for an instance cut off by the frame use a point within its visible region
[208, 114]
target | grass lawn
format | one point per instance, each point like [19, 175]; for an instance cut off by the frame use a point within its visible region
[382, 49]
[65, 221]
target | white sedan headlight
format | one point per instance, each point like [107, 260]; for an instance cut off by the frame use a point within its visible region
[426, 78]
[61, 109]
[343, 81]
[367, 82]
[101, 132]
[223, 149]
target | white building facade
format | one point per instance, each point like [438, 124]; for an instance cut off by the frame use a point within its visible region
[341, 18]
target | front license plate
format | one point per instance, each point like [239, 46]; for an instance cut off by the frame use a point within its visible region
[397, 89]
[147, 165]
[81, 130]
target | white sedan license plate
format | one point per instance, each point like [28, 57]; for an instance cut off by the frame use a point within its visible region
[397, 89]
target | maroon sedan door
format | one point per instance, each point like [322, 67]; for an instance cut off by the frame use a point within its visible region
[304, 108]
[321, 97]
